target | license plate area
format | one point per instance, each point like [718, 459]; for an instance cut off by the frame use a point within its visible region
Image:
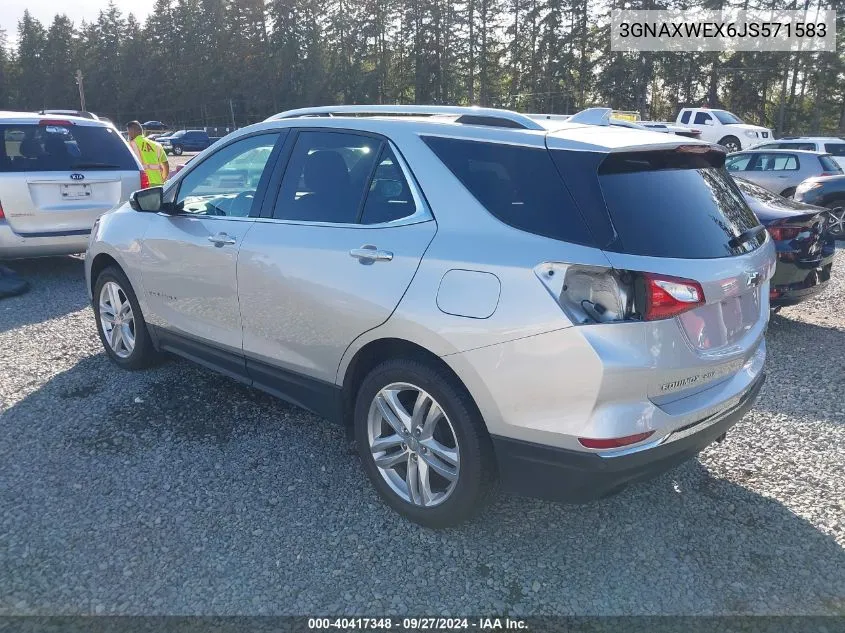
[718, 325]
[75, 192]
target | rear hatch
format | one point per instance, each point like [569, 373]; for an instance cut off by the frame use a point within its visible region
[58, 176]
[676, 212]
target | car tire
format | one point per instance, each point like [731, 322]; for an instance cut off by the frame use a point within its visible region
[178, 149]
[439, 469]
[731, 143]
[837, 222]
[120, 322]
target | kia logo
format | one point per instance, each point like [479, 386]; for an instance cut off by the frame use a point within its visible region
[77, 177]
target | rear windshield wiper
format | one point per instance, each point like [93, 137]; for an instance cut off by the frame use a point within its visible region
[95, 166]
[746, 236]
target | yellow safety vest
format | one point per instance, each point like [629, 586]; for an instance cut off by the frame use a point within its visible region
[152, 158]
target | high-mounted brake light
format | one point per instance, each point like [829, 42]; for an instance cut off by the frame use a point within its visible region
[696, 149]
[614, 442]
[667, 297]
[145, 180]
[55, 122]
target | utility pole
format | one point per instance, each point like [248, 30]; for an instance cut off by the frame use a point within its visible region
[232, 112]
[81, 90]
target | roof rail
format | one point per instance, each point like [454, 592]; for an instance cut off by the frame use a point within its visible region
[468, 115]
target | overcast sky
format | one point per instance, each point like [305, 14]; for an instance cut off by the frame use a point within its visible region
[76, 10]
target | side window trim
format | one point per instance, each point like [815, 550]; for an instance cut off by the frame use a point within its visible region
[422, 213]
[172, 194]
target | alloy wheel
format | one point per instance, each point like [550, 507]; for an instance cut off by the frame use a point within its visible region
[117, 319]
[836, 223]
[413, 444]
[732, 146]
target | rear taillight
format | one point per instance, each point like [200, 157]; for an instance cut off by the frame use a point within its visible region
[831, 173]
[2, 215]
[783, 233]
[593, 294]
[667, 297]
[145, 180]
[614, 442]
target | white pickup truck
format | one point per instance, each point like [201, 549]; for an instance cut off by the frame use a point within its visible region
[724, 128]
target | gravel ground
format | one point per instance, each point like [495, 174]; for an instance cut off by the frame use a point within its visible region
[179, 491]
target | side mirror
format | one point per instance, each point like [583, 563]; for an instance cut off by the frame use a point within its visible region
[148, 200]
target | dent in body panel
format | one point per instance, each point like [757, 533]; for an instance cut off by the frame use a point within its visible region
[469, 293]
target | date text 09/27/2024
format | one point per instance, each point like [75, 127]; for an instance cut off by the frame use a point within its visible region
[418, 624]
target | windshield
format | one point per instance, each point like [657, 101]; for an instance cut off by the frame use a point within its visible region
[33, 147]
[726, 117]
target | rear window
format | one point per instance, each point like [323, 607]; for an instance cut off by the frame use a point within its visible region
[33, 147]
[828, 164]
[518, 185]
[837, 149]
[810, 147]
[673, 204]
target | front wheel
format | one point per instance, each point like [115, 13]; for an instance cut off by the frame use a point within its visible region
[120, 324]
[178, 149]
[731, 143]
[836, 223]
[423, 443]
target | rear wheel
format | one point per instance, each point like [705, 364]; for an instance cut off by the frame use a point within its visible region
[120, 323]
[423, 443]
[177, 149]
[731, 143]
[836, 224]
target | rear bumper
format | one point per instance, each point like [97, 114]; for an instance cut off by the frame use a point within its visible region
[14, 245]
[790, 291]
[559, 474]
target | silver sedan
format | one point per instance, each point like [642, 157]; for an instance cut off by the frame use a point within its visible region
[781, 171]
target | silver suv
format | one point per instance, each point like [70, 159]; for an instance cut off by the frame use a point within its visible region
[478, 298]
[57, 175]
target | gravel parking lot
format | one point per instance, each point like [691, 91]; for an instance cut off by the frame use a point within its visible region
[179, 491]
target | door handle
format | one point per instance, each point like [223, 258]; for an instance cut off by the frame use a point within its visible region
[368, 254]
[221, 239]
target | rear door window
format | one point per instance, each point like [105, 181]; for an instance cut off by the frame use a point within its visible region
[675, 204]
[389, 197]
[828, 164]
[685, 116]
[518, 185]
[36, 147]
[327, 177]
[701, 117]
[738, 163]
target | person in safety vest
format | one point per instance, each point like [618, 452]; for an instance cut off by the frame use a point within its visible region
[152, 155]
